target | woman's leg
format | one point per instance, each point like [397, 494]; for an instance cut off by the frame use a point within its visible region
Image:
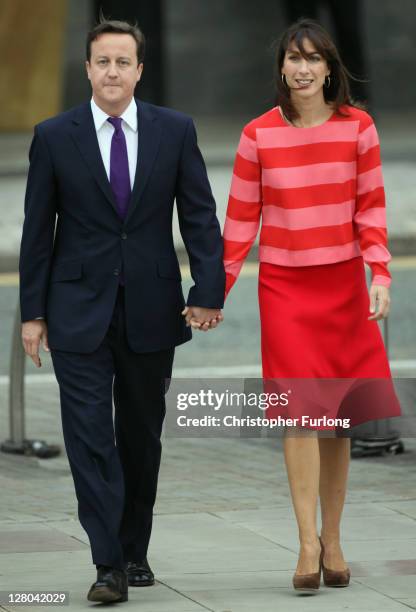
[303, 464]
[335, 459]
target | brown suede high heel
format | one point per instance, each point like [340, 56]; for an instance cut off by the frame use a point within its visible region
[309, 583]
[334, 578]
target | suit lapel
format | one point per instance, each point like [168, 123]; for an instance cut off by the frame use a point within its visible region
[85, 137]
[149, 134]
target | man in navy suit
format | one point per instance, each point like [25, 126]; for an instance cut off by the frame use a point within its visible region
[100, 287]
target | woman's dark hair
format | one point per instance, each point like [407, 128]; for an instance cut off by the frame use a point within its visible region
[118, 27]
[338, 91]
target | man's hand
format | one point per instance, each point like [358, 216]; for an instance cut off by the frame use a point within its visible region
[33, 333]
[202, 318]
[379, 302]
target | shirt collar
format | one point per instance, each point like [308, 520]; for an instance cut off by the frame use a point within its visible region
[129, 115]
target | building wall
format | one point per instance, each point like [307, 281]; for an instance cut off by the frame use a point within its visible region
[76, 87]
[219, 56]
[392, 50]
[220, 60]
[31, 51]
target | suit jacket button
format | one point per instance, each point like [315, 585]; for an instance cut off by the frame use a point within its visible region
[116, 272]
[124, 236]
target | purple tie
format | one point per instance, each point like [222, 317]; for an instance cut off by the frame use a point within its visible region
[119, 167]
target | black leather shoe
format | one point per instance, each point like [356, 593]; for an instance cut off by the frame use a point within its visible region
[111, 586]
[139, 574]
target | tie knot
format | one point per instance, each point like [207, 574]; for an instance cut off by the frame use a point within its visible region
[115, 122]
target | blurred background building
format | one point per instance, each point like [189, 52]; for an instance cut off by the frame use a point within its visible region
[209, 59]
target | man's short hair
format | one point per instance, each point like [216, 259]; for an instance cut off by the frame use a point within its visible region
[117, 27]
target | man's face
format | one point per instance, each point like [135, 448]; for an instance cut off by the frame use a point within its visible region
[113, 69]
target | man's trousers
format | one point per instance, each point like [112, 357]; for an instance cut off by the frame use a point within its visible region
[115, 464]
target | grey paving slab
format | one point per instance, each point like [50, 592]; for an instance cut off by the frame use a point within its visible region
[378, 528]
[219, 559]
[285, 512]
[394, 527]
[73, 572]
[161, 598]
[36, 540]
[228, 580]
[357, 490]
[398, 567]
[376, 550]
[71, 527]
[404, 507]
[204, 531]
[394, 586]
[22, 517]
[356, 597]
[409, 602]
[156, 599]
[54, 570]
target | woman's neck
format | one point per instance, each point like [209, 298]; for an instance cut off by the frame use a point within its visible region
[312, 111]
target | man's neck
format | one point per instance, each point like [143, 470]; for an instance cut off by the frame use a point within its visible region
[112, 109]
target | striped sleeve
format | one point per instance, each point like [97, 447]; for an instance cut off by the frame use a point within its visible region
[370, 212]
[244, 206]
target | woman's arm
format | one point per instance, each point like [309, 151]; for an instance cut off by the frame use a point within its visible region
[244, 206]
[370, 213]
[370, 217]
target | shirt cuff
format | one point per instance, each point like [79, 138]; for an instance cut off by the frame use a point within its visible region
[379, 279]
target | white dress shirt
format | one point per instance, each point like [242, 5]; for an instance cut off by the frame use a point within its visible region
[105, 133]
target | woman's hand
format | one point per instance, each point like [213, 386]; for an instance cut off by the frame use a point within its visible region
[379, 302]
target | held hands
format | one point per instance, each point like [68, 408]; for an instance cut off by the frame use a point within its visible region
[379, 302]
[33, 333]
[202, 318]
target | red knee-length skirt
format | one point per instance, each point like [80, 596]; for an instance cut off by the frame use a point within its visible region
[314, 325]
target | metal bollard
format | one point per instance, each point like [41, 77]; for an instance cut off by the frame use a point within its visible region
[17, 443]
[377, 437]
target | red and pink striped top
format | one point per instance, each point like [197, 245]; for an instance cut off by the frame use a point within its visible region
[319, 192]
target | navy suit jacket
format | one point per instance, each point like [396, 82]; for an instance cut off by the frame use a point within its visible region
[74, 244]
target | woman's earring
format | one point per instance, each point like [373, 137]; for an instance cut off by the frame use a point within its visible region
[284, 79]
[327, 84]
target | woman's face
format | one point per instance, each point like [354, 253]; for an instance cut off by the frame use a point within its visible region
[305, 76]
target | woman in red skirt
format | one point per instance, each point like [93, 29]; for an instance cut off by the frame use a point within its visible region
[310, 169]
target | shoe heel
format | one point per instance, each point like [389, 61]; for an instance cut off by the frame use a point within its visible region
[334, 578]
[309, 583]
